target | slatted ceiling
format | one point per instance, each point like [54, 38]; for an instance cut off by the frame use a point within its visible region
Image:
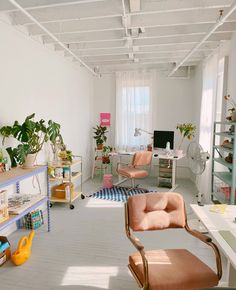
[121, 51]
[6, 6]
[77, 11]
[94, 29]
[165, 5]
[79, 26]
[91, 36]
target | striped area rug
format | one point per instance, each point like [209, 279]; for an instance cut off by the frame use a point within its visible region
[120, 194]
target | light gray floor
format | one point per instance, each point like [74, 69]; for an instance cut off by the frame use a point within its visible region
[87, 247]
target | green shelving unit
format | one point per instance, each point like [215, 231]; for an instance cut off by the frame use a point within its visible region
[227, 173]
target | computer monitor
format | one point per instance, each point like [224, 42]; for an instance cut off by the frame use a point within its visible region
[161, 138]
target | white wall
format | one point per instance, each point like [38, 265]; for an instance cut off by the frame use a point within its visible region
[232, 68]
[35, 79]
[173, 103]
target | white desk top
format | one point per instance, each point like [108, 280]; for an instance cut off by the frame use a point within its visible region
[164, 155]
[214, 222]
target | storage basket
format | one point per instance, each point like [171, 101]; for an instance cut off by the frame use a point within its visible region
[33, 220]
[59, 191]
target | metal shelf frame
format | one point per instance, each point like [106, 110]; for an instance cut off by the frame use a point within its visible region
[228, 177]
[71, 179]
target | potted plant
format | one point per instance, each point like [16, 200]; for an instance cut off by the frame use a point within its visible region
[66, 155]
[105, 154]
[100, 136]
[31, 134]
[55, 137]
[187, 130]
[232, 110]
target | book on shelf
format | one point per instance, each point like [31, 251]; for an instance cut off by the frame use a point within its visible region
[17, 203]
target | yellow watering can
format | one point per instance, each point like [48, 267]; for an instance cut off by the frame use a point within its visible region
[22, 254]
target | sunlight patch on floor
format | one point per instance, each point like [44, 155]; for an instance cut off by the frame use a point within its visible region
[95, 202]
[89, 276]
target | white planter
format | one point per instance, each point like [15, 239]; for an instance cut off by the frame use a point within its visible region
[178, 152]
[29, 161]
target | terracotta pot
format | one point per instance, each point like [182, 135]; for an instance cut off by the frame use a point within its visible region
[99, 146]
[105, 159]
[29, 161]
[233, 116]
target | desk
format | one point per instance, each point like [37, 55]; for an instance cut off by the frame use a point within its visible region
[214, 222]
[173, 158]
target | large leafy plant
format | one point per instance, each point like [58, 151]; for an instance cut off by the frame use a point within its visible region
[31, 134]
[187, 130]
[55, 137]
[100, 134]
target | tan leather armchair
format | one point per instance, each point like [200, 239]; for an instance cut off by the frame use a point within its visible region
[166, 269]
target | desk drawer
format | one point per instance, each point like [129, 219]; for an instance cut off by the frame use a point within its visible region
[165, 174]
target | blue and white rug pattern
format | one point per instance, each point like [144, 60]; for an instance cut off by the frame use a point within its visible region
[120, 194]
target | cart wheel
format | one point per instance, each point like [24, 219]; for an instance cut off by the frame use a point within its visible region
[82, 196]
[51, 204]
[72, 206]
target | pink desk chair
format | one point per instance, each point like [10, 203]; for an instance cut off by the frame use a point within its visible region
[134, 171]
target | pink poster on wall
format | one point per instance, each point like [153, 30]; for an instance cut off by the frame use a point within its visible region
[105, 119]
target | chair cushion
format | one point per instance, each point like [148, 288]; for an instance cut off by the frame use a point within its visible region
[132, 172]
[142, 158]
[156, 210]
[175, 269]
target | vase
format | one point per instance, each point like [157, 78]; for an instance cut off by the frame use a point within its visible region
[29, 161]
[233, 116]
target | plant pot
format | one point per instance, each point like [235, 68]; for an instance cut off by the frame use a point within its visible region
[233, 116]
[178, 152]
[105, 159]
[99, 146]
[29, 161]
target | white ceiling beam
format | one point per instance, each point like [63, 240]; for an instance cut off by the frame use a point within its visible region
[219, 22]
[50, 5]
[127, 60]
[163, 26]
[112, 68]
[13, 2]
[152, 7]
[131, 56]
[112, 34]
[156, 45]
[119, 36]
[76, 27]
[182, 18]
[134, 5]
[86, 11]
[180, 39]
[186, 46]
[38, 4]
[169, 6]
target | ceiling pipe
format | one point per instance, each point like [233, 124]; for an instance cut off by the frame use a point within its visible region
[13, 2]
[125, 18]
[219, 22]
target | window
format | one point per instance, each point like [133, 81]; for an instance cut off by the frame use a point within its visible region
[133, 109]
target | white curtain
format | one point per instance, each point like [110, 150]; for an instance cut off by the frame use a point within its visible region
[208, 105]
[134, 90]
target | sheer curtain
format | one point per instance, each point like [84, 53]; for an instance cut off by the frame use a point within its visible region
[134, 90]
[208, 104]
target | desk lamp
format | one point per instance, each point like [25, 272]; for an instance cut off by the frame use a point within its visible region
[138, 132]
